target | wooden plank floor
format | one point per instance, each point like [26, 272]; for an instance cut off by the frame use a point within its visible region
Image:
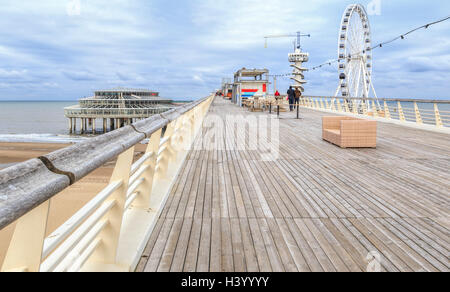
[317, 208]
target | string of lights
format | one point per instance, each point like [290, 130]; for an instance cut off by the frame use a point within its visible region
[281, 75]
[380, 45]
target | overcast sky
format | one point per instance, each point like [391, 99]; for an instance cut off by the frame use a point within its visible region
[184, 48]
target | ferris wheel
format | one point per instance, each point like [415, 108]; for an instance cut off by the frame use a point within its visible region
[355, 54]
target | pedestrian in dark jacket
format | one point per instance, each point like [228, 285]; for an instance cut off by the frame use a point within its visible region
[291, 97]
[298, 94]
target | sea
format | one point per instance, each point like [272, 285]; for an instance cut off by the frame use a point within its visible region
[36, 121]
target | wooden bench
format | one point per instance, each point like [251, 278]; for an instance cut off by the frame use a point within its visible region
[348, 132]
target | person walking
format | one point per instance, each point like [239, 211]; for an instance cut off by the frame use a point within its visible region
[291, 97]
[298, 94]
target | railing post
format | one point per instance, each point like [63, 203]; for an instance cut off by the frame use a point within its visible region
[387, 113]
[25, 249]
[321, 104]
[144, 190]
[355, 107]
[339, 106]
[107, 251]
[417, 111]
[365, 106]
[401, 114]
[347, 108]
[374, 109]
[332, 105]
[438, 116]
[326, 102]
[162, 180]
[192, 131]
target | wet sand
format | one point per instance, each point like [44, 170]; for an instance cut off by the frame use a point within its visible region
[65, 204]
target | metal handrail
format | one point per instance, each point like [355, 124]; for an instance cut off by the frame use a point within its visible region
[405, 110]
[383, 99]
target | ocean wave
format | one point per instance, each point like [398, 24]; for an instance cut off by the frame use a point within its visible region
[40, 138]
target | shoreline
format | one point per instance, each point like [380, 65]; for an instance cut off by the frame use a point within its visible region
[43, 138]
[68, 202]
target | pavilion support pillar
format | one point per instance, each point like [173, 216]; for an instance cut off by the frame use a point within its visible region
[70, 126]
[74, 125]
[104, 125]
[82, 125]
[111, 124]
[94, 127]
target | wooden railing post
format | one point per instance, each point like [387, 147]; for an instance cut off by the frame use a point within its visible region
[25, 249]
[417, 112]
[401, 115]
[107, 251]
[437, 116]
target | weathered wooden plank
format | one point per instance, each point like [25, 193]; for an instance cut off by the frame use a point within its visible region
[205, 247]
[192, 252]
[158, 249]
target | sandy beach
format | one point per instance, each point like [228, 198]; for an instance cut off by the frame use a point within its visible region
[65, 204]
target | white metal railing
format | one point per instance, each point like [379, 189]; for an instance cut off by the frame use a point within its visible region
[109, 233]
[428, 112]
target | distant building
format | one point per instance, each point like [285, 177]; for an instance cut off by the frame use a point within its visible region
[116, 108]
[249, 83]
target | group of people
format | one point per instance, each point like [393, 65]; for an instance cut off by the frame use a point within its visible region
[293, 97]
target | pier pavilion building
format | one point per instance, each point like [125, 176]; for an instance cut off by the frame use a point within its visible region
[115, 108]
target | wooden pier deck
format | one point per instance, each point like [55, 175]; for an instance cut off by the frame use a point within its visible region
[317, 208]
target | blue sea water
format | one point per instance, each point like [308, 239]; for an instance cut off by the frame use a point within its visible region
[35, 121]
